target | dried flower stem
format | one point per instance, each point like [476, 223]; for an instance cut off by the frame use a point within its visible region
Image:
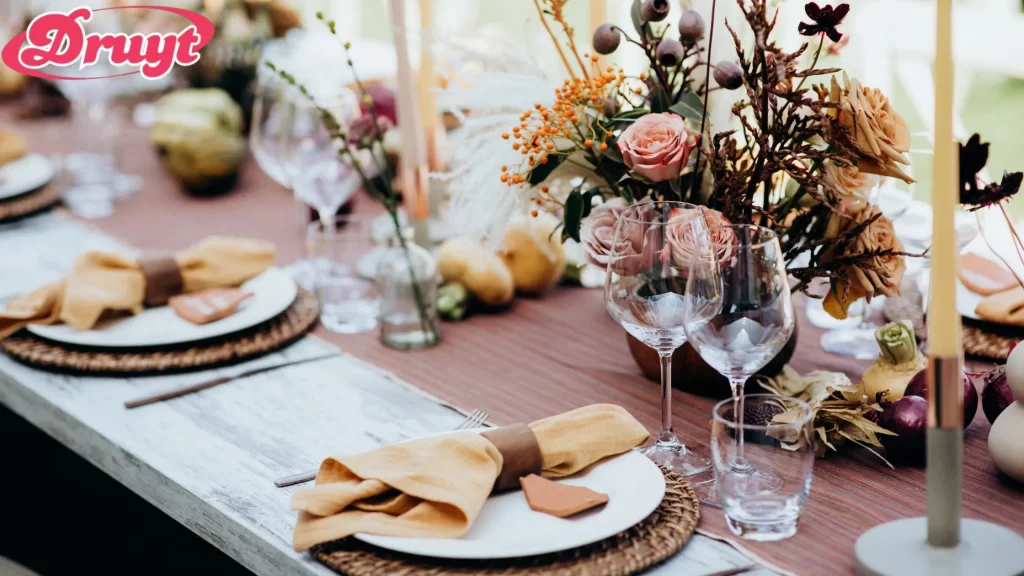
[544, 21]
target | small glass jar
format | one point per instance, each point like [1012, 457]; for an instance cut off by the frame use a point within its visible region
[407, 282]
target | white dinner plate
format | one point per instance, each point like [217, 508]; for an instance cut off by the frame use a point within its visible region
[273, 292]
[967, 301]
[508, 528]
[24, 175]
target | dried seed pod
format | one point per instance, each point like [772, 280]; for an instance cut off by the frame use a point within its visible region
[669, 52]
[654, 10]
[691, 27]
[606, 39]
[728, 75]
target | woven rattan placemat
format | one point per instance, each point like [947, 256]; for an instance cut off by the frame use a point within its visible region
[650, 542]
[980, 339]
[28, 204]
[991, 342]
[271, 335]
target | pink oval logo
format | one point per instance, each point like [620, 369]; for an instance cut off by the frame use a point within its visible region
[59, 39]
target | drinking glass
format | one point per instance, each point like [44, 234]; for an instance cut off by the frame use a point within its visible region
[739, 310]
[348, 303]
[644, 291]
[776, 437]
[320, 176]
[292, 146]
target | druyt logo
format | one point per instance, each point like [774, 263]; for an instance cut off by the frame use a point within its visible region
[59, 39]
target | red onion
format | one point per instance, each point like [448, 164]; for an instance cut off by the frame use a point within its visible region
[908, 418]
[996, 395]
[919, 387]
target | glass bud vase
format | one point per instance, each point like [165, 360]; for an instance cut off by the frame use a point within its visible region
[407, 284]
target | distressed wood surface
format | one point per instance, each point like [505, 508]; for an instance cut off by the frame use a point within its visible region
[209, 459]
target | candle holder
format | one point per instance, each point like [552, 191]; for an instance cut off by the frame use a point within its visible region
[941, 543]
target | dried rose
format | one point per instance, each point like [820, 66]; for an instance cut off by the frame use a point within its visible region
[878, 132]
[880, 272]
[851, 186]
[657, 146]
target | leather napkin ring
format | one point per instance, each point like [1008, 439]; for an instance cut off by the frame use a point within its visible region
[163, 278]
[520, 453]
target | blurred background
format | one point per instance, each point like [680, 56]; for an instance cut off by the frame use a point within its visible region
[888, 45]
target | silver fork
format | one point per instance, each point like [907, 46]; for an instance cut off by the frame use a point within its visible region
[474, 419]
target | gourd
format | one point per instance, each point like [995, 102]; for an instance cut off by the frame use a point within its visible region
[534, 253]
[480, 270]
[198, 134]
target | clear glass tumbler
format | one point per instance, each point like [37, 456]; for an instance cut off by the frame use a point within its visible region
[407, 279]
[348, 303]
[775, 437]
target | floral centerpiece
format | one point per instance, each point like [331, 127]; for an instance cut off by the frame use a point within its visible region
[809, 144]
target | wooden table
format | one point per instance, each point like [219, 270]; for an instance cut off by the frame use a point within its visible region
[543, 356]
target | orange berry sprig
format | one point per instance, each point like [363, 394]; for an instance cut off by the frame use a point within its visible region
[543, 133]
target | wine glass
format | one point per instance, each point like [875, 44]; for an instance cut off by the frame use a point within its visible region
[739, 311]
[644, 291]
[320, 176]
[270, 133]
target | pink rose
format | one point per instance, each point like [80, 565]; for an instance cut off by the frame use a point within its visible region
[597, 235]
[657, 146]
[598, 230]
[688, 237]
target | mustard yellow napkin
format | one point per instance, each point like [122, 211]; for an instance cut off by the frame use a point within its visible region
[435, 487]
[99, 282]
[1004, 307]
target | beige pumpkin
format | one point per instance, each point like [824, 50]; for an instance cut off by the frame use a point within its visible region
[480, 270]
[532, 250]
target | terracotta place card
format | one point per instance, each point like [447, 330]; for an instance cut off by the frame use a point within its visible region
[561, 500]
[983, 276]
[209, 305]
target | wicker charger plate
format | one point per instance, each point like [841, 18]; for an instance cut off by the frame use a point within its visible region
[650, 542]
[988, 341]
[30, 203]
[980, 339]
[271, 335]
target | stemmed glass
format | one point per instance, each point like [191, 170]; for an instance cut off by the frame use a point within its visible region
[644, 291]
[739, 311]
[292, 146]
[321, 177]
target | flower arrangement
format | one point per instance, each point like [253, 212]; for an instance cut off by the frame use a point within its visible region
[803, 160]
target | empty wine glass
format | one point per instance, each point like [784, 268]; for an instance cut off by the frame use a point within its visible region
[739, 311]
[320, 176]
[644, 291]
[270, 132]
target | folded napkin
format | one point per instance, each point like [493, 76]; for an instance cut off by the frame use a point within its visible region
[435, 487]
[101, 282]
[12, 146]
[1005, 308]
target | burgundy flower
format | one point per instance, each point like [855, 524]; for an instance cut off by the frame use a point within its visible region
[993, 193]
[973, 158]
[825, 20]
